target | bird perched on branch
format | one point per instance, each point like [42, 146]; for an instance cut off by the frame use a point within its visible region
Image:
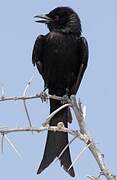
[61, 58]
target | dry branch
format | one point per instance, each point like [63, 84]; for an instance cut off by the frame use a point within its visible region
[93, 148]
[37, 96]
[83, 134]
[59, 128]
[24, 101]
[53, 114]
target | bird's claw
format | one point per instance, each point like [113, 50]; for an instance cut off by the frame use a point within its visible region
[65, 99]
[44, 96]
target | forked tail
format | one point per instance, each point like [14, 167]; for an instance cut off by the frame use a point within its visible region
[57, 141]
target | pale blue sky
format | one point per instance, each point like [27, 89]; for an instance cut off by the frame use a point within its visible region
[18, 32]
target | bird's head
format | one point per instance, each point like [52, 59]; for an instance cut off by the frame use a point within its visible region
[61, 19]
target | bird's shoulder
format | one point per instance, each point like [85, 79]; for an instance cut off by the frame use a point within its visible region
[84, 49]
[83, 41]
[39, 41]
[38, 48]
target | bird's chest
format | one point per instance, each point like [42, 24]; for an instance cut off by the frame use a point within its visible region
[60, 58]
[60, 52]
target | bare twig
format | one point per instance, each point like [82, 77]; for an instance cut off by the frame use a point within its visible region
[79, 155]
[96, 178]
[41, 129]
[26, 110]
[12, 145]
[93, 177]
[2, 139]
[37, 96]
[53, 114]
[24, 101]
[93, 148]
[66, 147]
[28, 84]
[2, 143]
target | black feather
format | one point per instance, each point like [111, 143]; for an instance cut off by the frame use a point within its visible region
[61, 58]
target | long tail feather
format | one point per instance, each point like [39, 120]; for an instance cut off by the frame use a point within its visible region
[57, 141]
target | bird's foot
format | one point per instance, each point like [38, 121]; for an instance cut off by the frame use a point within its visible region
[65, 99]
[44, 96]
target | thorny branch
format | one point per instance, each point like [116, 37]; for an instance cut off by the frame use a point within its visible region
[37, 96]
[24, 101]
[78, 110]
[60, 127]
[83, 134]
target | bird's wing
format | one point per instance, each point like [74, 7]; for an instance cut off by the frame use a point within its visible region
[83, 55]
[37, 54]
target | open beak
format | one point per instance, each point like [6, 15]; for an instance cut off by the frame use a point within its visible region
[42, 19]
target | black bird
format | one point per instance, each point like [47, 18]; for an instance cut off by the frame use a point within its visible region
[61, 58]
